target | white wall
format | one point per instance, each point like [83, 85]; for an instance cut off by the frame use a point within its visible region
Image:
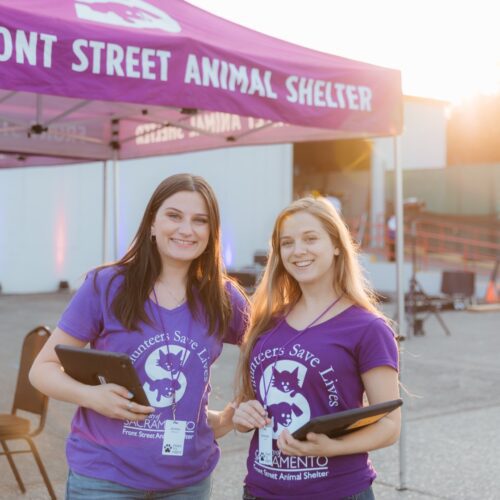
[51, 217]
[50, 225]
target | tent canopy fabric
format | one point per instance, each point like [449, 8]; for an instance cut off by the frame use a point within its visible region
[84, 80]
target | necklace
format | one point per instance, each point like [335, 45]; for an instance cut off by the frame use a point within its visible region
[177, 301]
[184, 355]
[299, 333]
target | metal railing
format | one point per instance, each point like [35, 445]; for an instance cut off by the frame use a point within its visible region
[460, 246]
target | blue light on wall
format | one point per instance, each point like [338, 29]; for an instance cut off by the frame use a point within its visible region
[228, 256]
[227, 248]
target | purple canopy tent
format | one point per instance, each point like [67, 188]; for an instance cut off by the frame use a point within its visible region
[80, 79]
[87, 80]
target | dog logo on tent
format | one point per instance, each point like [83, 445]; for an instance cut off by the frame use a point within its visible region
[129, 13]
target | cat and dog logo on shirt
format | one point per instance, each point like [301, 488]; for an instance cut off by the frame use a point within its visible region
[283, 381]
[281, 386]
[165, 382]
[165, 377]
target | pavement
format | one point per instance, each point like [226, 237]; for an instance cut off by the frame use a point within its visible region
[451, 387]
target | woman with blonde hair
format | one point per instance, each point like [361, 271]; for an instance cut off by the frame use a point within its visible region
[316, 343]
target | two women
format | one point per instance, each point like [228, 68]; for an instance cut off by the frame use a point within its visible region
[316, 343]
[169, 305]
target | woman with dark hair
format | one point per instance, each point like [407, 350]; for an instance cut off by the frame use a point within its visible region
[169, 305]
[315, 344]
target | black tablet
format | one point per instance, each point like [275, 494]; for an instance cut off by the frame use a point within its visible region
[93, 367]
[344, 422]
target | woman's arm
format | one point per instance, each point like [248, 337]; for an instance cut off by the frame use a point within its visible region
[110, 400]
[221, 422]
[381, 384]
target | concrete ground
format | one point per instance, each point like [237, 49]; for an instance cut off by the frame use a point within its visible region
[451, 437]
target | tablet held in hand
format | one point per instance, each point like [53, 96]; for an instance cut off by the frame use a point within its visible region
[94, 367]
[344, 422]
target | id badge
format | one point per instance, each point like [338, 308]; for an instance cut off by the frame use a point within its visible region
[174, 437]
[266, 444]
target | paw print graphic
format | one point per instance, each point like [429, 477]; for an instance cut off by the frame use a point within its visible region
[167, 448]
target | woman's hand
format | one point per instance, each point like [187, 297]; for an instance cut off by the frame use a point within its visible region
[317, 445]
[250, 415]
[113, 401]
[221, 422]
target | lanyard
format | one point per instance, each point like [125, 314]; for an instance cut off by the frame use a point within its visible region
[295, 337]
[183, 359]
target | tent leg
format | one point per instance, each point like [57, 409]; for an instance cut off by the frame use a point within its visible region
[116, 214]
[398, 197]
[105, 226]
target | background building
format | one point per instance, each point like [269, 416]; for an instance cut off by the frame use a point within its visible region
[51, 218]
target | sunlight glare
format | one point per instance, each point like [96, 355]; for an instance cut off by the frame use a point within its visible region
[445, 49]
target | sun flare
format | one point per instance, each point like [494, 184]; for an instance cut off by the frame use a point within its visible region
[445, 49]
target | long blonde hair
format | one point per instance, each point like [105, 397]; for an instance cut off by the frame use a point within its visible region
[278, 291]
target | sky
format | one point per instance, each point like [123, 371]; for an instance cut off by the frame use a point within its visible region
[445, 49]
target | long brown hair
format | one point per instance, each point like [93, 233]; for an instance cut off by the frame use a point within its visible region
[278, 291]
[141, 265]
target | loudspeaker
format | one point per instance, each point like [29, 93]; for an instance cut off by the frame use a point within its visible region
[460, 283]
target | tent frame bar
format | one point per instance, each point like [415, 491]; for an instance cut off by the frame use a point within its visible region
[400, 299]
[74, 108]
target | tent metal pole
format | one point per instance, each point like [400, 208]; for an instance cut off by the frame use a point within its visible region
[398, 198]
[116, 201]
[115, 147]
[39, 109]
[105, 225]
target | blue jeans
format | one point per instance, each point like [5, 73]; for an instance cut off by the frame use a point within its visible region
[88, 488]
[363, 495]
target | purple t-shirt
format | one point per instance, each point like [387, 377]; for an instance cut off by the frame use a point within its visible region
[306, 375]
[129, 452]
